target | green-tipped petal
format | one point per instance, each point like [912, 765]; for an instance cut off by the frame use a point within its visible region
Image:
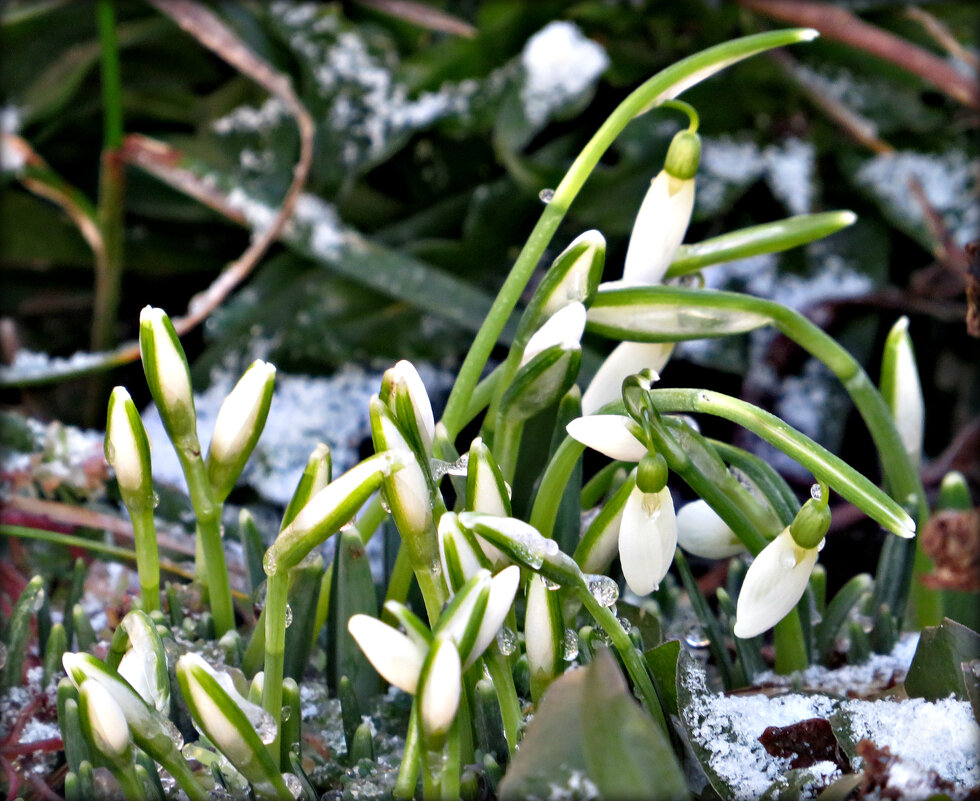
[127, 449]
[167, 374]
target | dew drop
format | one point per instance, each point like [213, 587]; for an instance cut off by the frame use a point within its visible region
[3, 654]
[286, 712]
[546, 195]
[550, 585]
[696, 638]
[571, 645]
[787, 561]
[156, 499]
[602, 588]
[269, 564]
[110, 452]
[384, 503]
[289, 616]
[294, 785]
[506, 641]
[627, 626]
[550, 548]
[816, 492]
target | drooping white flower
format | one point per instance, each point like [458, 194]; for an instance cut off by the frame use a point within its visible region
[503, 588]
[397, 658]
[610, 434]
[774, 583]
[647, 539]
[702, 532]
[626, 359]
[406, 490]
[902, 388]
[659, 228]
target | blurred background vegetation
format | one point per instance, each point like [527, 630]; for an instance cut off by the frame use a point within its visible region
[437, 126]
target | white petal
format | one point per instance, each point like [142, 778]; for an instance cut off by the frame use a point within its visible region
[411, 490]
[456, 624]
[647, 539]
[440, 696]
[659, 229]
[503, 588]
[626, 359]
[170, 367]
[908, 407]
[538, 638]
[405, 374]
[394, 656]
[702, 532]
[564, 327]
[238, 414]
[773, 585]
[609, 434]
[126, 459]
[106, 719]
[449, 529]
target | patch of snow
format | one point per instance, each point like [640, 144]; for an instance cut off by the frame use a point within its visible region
[950, 182]
[560, 65]
[248, 119]
[315, 223]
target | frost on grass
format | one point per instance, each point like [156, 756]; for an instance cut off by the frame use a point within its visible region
[560, 66]
[926, 736]
[305, 410]
[949, 180]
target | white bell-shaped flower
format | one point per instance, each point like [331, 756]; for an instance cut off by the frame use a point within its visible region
[503, 588]
[774, 583]
[647, 539]
[659, 228]
[456, 546]
[902, 388]
[626, 359]
[702, 532]
[167, 373]
[610, 434]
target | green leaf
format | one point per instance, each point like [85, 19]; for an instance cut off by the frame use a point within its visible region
[936, 670]
[662, 662]
[628, 755]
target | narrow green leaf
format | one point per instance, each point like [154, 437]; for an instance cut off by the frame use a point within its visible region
[662, 662]
[935, 671]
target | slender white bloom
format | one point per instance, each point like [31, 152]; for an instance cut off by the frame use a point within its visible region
[774, 583]
[503, 588]
[543, 634]
[581, 277]
[647, 539]
[702, 532]
[144, 665]
[440, 692]
[127, 447]
[407, 490]
[405, 378]
[243, 410]
[106, 721]
[626, 359]
[167, 373]
[610, 434]
[565, 328]
[659, 228]
[903, 390]
[398, 659]
[487, 492]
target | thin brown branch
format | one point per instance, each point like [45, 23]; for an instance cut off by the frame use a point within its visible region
[944, 248]
[843, 26]
[943, 36]
[424, 16]
[859, 128]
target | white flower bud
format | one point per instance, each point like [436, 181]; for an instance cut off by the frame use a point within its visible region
[405, 389]
[647, 539]
[564, 328]
[440, 692]
[105, 720]
[702, 532]
[659, 229]
[167, 373]
[774, 583]
[127, 449]
[610, 434]
[398, 659]
[902, 388]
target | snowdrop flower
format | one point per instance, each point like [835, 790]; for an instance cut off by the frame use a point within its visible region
[467, 621]
[104, 722]
[167, 374]
[238, 425]
[774, 583]
[563, 329]
[127, 449]
[613, 435]
[777, 578]
[658, 231]
[460, 555]
[647, 539]
[544, 635]
[404, 393]
[702, 532]
[486, 492]
[902, 389]
[407, 490]
[441, 686]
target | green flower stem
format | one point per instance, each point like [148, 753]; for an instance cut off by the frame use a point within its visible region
[177, 767]
[507, 445]
[599, 485]
[790, 646]
[147, 557]
[510, 706]
[408, 771]
[208, 513]
[371, 517]
[276, 594]
[621, 641]
[112, 113]
[399, 582]
[662, 86]
[553, 481]
[826, 467]
[130, 785]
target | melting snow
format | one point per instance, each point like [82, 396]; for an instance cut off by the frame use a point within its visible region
[560, 64]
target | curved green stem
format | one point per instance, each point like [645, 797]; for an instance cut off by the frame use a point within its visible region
[553, 481]
[665, 85]
[510, 705]
[276, 594]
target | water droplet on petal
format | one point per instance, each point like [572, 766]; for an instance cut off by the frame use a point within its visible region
[571, 644]
[551, 548]
[550, 585]
[602, 588]
[787, 561]
[546, 195]
[696, 638]
[384, 503]
[289, 616]
[506, 641]
[269, 564]
[816, 492]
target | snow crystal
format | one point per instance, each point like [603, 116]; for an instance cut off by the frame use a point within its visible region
[560, 64]
[867, 677]
[35, 364]
[949, 180]
[248, 119]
